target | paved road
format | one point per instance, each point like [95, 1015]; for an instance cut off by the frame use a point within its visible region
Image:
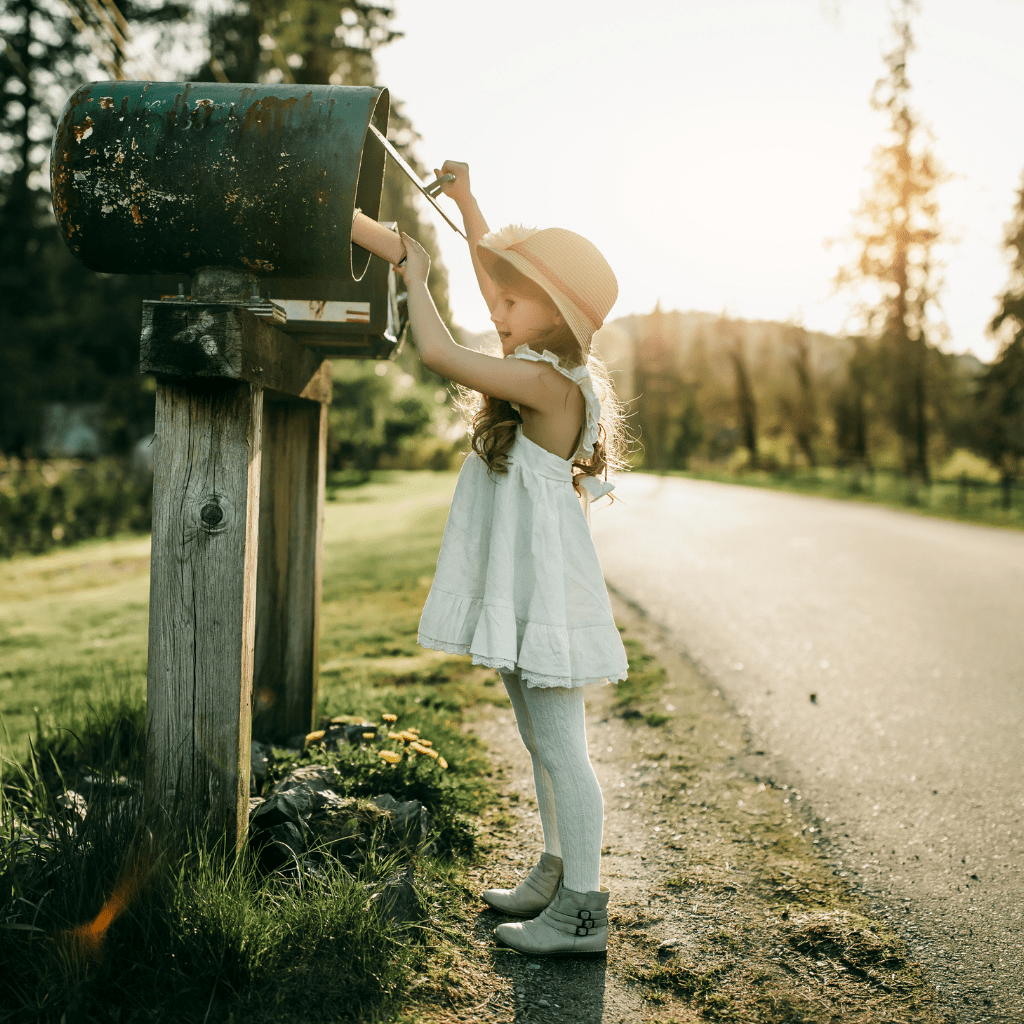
[878, 657]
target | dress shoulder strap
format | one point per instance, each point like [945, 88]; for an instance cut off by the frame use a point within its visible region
[580, 376]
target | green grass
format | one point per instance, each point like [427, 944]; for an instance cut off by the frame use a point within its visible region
[980, 502]
[203, 936]
[633, 695]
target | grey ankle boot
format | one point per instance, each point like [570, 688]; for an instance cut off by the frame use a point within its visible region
[533, 894]
[574, 925]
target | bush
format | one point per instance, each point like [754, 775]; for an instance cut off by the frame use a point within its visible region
[45, 503]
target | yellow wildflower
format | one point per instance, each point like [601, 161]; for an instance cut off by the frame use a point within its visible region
[442, 762]
[369, 735]
[395, 736]
[426, 743]
[390, 756]
[419, 748]
[313, 737]
[390, 718]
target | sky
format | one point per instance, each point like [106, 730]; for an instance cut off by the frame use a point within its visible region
[711, 149]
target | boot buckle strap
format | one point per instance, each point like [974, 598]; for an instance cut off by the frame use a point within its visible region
[584, 915]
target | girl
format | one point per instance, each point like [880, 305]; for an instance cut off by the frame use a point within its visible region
[518, 584]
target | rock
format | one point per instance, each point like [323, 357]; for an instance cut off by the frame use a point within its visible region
[308, 787]
[277, 830]
[337, 733]
[74, 803]
[260, 756]
[354, 733]
[410, 819]
[396, 897]
[279, 824]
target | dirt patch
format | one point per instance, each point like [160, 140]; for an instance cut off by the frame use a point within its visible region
[723, 908]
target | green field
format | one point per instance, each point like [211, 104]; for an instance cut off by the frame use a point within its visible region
[73, 623]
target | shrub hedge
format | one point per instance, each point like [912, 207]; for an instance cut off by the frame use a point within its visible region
[49, 503]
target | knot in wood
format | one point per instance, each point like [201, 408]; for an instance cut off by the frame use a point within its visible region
[211, 514]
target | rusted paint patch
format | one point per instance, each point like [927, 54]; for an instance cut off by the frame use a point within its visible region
[136, 216]
[269, 114]
[262, 266]
[107, 102]
[83, 130]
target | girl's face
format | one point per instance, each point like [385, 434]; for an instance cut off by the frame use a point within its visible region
[523, 319]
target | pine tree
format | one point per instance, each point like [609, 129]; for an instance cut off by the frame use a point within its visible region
[999, 398]
[68, 334]
[801, 410]
[896, 233]
[746, 402]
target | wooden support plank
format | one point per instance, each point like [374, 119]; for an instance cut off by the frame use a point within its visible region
[206, 496]
[287, 664]
[195, 340]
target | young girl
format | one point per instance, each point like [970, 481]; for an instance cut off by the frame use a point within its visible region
[518, 584]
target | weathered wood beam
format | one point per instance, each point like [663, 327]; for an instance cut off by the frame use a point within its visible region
[188, 340]
[206, 504]
[287, 666]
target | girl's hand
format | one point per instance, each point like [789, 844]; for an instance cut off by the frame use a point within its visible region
[417, 262]
[459, 188]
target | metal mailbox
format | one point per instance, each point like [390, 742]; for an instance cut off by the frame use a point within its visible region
[166, 177]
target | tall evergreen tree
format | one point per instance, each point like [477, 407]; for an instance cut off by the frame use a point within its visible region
[746, 401]
[896, 233]
[800, 409]
[852, 402]
[999, 398]
[68, 334]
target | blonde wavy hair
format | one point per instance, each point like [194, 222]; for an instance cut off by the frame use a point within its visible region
[493, 421]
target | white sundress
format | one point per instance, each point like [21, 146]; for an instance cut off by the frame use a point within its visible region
[518, 583]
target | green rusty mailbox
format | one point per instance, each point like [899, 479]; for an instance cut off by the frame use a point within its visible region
[251, 191]
[206, 179]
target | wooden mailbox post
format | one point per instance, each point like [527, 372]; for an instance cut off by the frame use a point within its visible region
[233, 185]
[238, 494]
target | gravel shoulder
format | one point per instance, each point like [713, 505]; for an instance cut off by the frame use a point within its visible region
[724, 907]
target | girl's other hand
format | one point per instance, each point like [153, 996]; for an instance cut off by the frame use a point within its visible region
[459, 188]
[417, 262]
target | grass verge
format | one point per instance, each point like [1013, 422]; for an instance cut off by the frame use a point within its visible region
[104, 917]
[966, 501]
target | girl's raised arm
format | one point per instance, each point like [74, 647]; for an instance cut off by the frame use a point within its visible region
[529, 383]
[472, 220]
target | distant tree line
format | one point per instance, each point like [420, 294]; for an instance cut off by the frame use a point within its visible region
[760, 394]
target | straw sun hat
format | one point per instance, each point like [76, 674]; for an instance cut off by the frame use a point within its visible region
[568, 267]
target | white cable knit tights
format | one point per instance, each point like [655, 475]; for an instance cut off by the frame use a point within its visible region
[551, 723]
